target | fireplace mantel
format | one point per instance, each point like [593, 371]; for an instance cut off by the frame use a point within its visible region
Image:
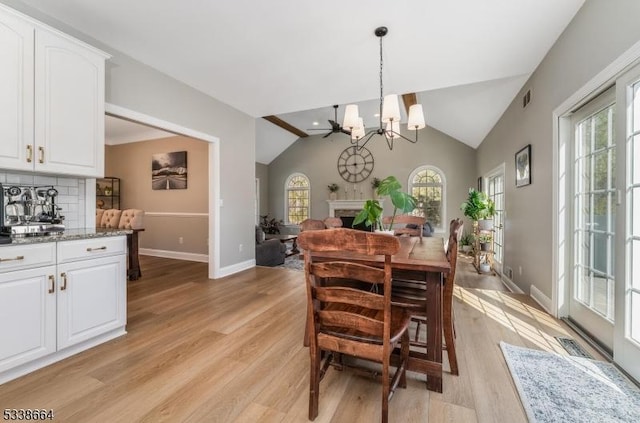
[347, 205]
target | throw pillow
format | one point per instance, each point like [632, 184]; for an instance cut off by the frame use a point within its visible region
[259, 235]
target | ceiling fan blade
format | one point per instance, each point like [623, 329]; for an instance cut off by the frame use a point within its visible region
[319, 129]
[344, 131]
[327, 134]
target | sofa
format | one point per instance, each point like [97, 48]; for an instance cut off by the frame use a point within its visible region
[270, 252]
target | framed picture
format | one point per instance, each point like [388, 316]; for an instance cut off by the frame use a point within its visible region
[169, 170]
[523, 166]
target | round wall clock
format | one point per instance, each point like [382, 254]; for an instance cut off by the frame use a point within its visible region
[355, 165]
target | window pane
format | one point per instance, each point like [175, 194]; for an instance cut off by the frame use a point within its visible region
[584, 131]
[635, 316]
[602, 121]
[636, 107]
[635, 217]
[601, 163]
[600, 294]
[635, 159]
[635, 265]
[583, 283]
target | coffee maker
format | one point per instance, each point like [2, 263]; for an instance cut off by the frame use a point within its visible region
[29, 211]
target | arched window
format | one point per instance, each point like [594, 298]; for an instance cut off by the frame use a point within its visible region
[297, 199]
[427, 184]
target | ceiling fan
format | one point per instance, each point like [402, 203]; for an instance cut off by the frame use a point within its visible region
[335, 126]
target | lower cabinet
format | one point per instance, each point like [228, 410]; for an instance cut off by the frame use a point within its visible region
[48, 312]
[91, 298]
[27, 315]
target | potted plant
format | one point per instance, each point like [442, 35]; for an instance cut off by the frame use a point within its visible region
[485, 267]
[480, 208]
[466, 240]
[270, 226]
[371, 212]
[333, 191]
[485, 239]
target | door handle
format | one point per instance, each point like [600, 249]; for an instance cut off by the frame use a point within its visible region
[64, 281]
[41, 151]
[29, 153]
[89, 249]
[52, 284]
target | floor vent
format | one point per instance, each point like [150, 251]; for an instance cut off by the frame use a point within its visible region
[573, 348]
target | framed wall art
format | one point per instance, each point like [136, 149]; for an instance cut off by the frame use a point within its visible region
[169, 170]
[523, 166]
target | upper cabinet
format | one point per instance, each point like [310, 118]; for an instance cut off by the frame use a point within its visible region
[52, 120]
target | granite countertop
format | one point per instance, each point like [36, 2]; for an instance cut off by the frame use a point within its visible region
[70, 235]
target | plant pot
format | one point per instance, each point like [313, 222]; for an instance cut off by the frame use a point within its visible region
[485, 246]
[380, 231]
[485, 224]
[333, 196]
[466, 248]
[485, 268]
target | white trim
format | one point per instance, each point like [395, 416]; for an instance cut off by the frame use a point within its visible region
[177, 255]
[541, 299]
[215, 202]
[238, 267]
[511, 285]
[175, 214]
[593, 87]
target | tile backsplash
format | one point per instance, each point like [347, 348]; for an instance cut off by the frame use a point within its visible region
[71, 193]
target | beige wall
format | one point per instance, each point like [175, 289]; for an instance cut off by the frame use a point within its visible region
[317, 158]
[132, 164]
[600, 32]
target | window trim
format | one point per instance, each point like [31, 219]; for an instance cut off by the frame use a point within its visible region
[286, 197]
[445, 225]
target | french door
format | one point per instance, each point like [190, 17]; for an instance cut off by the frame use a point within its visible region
[593, 199]
[627, 316]
[495, 191]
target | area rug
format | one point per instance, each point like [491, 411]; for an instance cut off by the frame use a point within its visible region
[293, 262]
[556, 388]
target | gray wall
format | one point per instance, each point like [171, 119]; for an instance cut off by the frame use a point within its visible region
[317, 158]
[599, 33]
[138, 87]
[262, 172]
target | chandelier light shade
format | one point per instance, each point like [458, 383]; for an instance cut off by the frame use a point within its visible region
[389, 114]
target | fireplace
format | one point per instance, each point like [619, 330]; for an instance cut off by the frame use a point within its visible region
[347, 210]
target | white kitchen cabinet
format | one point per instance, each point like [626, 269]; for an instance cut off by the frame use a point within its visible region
[16, 86]
[59, 298]
[91, 298]
[27, 304]
[52, 119]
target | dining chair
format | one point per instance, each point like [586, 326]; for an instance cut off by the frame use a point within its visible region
[415, 223]
[344, 320]
[311, 225]
[333, 222]
[411, 294]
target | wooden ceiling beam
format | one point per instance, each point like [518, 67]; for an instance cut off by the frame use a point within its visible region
[284, 125]
[409, 100]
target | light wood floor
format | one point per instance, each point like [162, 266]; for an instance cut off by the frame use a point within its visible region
[231, 350]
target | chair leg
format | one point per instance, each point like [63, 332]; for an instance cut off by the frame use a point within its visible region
[314, 382]
[449, 339]
[386, 382]
[404, 353]
[417, 337]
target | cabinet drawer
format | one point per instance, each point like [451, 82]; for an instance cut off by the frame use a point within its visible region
[91, 248]
[18, 257]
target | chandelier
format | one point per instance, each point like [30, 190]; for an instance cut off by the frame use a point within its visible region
[389, 115]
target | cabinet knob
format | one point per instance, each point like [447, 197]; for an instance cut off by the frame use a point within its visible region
[52, 284]
[64, 281]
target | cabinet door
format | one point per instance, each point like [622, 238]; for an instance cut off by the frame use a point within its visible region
[27, 315]
[69, 107]
[91, 298]
[16, 93]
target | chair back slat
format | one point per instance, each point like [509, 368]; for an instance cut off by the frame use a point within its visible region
[350, 296]
[340, 239]
[346, 322]
[348, 270]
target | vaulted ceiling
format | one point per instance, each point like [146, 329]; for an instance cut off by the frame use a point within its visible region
[465, 59]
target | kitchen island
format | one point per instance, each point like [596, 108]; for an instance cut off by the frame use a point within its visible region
[59, 295]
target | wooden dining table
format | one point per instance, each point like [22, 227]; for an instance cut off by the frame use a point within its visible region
[422, 260]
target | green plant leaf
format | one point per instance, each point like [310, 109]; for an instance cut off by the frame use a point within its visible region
[388, 185]
[403, 201]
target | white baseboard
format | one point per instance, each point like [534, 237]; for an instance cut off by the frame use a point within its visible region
[178, 255]
[541, 299]
[511, 286]
[234, 268]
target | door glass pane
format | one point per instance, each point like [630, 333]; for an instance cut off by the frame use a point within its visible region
[636, 107]
[635, 316]
[636, 160]
[594, 210]
[635, 213]
[635, 264]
